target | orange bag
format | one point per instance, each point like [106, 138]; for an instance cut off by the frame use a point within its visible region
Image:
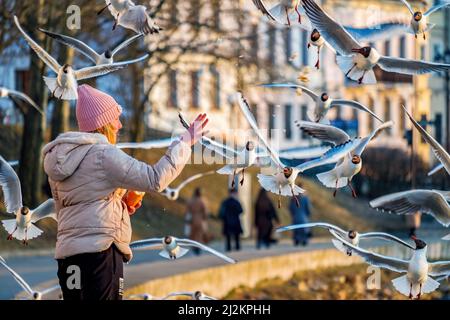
[133, 198]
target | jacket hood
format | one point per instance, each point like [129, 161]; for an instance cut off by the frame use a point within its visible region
[63, 155]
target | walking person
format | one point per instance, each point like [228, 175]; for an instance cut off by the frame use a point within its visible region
[265, 214]
[230, 211]
[300, 215]
[196, 208]
[89, 178]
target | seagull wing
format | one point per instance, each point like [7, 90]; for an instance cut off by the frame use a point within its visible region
[194, 177]
[45, 210]
[409, 202]
[251, 120]
[378, 32]
[441, 268]
[303, 153]
[126, 43]
[438, 168]
[323, 132]
[42, 54]
[51, 289]
[78, 45]
[331, 156]
[327, 226]
[334, 33]
[137, 19]
[385, 236]
[364, 142]
[436, 7]
[219, 148]
[152, 144]
[309, 92]
[192, 243]
[408, 6]
[378, 260]
[440, 153]
[23, 96]
[10, 183]
[146, 244]
[354, 104]
[264, 9]
[177, 294]
[103, 69]
[409, 66]
[17, 277]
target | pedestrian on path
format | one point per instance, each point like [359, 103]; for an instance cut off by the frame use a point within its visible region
[230, 211]
[300, 215]
[265, 214]
[197, 211]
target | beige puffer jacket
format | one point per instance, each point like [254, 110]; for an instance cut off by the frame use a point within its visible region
[88, 177]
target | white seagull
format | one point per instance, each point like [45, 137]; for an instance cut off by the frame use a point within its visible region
[357, 61]
[64, 86]
[281, 11]
[438, 150]
[352, 236]
[174, 248]
[143, 296]
[323, 102]
[349, 164]
[106, 57]
[34, 295]
[13, 94]
[197, 295]
[419, 271]
[317, 41]
[174, 193]
[22, 227]
[131, 16]
[419, 21]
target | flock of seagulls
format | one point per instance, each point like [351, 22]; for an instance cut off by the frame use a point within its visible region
[355, 60]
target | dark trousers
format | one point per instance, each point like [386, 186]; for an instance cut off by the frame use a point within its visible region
[236, 238]
[92, 276]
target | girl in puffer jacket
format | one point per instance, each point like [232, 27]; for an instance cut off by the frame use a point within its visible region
[89, 177]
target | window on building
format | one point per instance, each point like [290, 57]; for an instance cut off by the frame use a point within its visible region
[194, 13]
[387, 48]
[272, 44]
[304, 116]
[423, 52]
[173, 89]
[288, 121]
[303, 47]
[195, 89]
[402, 47]
[215, 87]
[271, 119]
[370, 119]
[402, 118]
[387, 113]
[254, 43]
[215, 4]
[287, 35]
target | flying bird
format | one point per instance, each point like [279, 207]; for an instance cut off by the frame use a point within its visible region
[13, 94]
[173, 193]
[316, 40]
[64, 86]
[197, 295]
[433, 202]
[349, 164]
[352, 236]
[131, 16]
[281, 11]
[419, 272]
[143, 296]
[106, 57]
[174, 248]
[436, 169]
[33, 294]
[439, 151]
[357, 61]
[323, 102]
[419, 21]
[22, 227]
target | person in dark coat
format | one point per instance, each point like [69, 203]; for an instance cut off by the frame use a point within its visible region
[300, 215]
[230, 210]
[265, 214]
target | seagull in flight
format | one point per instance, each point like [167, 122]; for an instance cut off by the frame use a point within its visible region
[173, 193]
[358, 61]
[351, 236]
[22, 227]
[64, 86]
[419, 272]
[174, 248]
[323, 102]
[33, 294]
[13, 94]
[349, 164]
[197, 295]
[281, 11]
[106, 57]
[131, 16]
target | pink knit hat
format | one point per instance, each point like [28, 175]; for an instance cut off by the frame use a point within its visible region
[95, 108]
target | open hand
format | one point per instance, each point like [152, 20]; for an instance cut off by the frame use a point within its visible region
[196, 129]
